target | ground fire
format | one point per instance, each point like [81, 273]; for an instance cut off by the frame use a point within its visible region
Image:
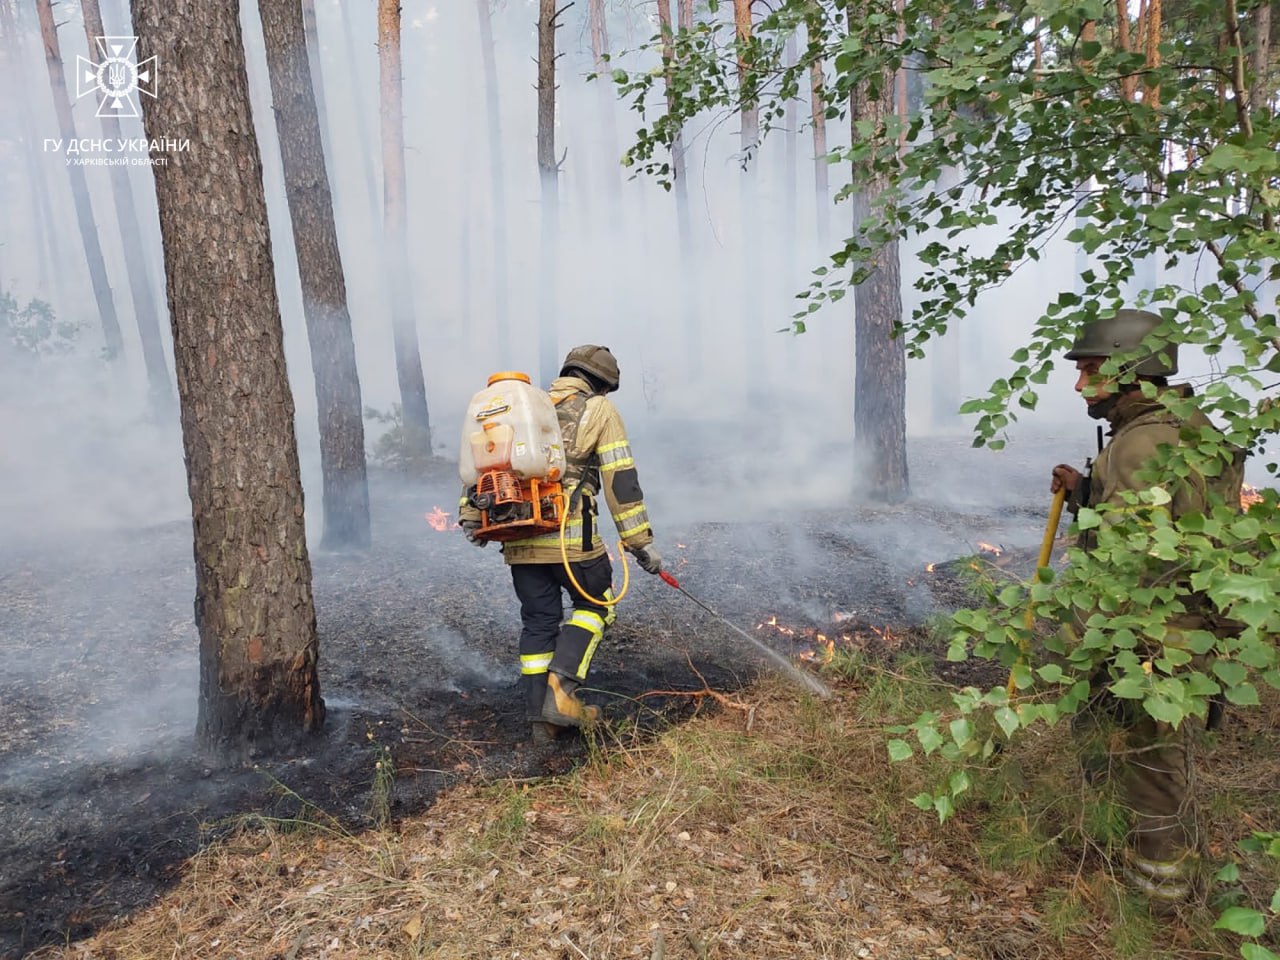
[438, 519]
[1249, 495]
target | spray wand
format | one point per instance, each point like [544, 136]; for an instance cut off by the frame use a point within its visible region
[802, 677]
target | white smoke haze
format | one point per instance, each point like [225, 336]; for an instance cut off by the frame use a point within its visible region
[80, 454]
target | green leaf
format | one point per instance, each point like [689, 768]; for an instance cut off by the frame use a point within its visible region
[929, 738]
[1088, 519]
[1230, 672]
[1008, 720]
[945, 807]
[1129, 688]
[1164, 710]
[899, 750]
[1245, 695]
[1050, 673]
[1254, 951]
[1242, 920]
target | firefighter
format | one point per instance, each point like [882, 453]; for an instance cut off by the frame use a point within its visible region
[555, 657]
[1154, 767]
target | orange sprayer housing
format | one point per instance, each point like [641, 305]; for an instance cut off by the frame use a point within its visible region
[512, 508]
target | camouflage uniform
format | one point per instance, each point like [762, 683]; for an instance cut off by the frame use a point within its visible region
[1154, 765]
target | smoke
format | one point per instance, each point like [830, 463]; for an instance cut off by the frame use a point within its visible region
[695, 330]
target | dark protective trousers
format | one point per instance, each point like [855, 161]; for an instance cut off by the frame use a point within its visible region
[547, 640]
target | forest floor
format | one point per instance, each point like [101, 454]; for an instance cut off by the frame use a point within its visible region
[716, 813]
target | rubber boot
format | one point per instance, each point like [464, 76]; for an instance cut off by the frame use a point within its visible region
[562, 708]
[543, 734]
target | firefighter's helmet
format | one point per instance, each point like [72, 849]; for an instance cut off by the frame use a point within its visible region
[1124, 334]
[597, 361]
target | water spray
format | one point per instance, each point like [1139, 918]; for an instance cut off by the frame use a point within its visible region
[785, 666]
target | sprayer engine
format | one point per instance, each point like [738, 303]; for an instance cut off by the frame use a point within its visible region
[512, 509]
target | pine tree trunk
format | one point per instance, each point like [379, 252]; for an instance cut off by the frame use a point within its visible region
[413, 389]
[79, 186]
[497, 184]
[254, 611]
[818, 115]
[880, 368]
[677, 143]
[748, 106]
[607, 105]
[146, 313]
[679, 179]
[1262, 89]
[312, 34]
[357, 79]
[548, 176]
[324, 289]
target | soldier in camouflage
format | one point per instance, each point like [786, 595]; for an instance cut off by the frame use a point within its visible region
[1153, 766]
[554, 656]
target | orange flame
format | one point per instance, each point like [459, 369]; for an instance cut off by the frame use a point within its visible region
[1249, 495]
[990, 548]
[928, 567]
[438, 519]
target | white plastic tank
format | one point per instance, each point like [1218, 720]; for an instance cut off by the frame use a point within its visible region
[511, 425]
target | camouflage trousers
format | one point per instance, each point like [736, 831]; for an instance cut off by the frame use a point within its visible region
[1151, 767]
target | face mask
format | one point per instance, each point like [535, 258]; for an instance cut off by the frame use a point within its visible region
[1102, 410]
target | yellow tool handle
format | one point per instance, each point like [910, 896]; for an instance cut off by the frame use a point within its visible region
[1046, 554]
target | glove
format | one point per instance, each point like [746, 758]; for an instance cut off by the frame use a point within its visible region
[649, 558]
[1064, 477]
[469, 527]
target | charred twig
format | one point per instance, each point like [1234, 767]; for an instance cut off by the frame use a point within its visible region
[706, 691]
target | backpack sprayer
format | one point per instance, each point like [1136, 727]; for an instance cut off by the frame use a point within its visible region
[511, 459]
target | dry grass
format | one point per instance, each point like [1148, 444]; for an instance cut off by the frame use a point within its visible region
[776, 831]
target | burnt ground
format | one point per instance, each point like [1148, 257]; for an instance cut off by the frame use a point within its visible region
[102, 798]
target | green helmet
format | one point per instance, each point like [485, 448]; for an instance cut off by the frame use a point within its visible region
[597, 361]
[1125, 333]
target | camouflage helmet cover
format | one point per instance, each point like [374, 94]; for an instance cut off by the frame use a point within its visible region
[1125, 333]
[597, 361]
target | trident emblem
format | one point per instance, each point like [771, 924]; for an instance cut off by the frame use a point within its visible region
[118, 76]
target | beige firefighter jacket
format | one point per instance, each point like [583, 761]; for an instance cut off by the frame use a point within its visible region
[598, 455]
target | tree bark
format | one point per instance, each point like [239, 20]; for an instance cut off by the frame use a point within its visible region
[685, 293]
[749, 108]
[607, 104]
[79, 186]
[324, 289]
[1260, 83]
[548, 176]
[497, 184]
[880, 367]
[357, 78]
[818, 114]
[677, 141]
[146, 313]
[258, 648]
[413, 389]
